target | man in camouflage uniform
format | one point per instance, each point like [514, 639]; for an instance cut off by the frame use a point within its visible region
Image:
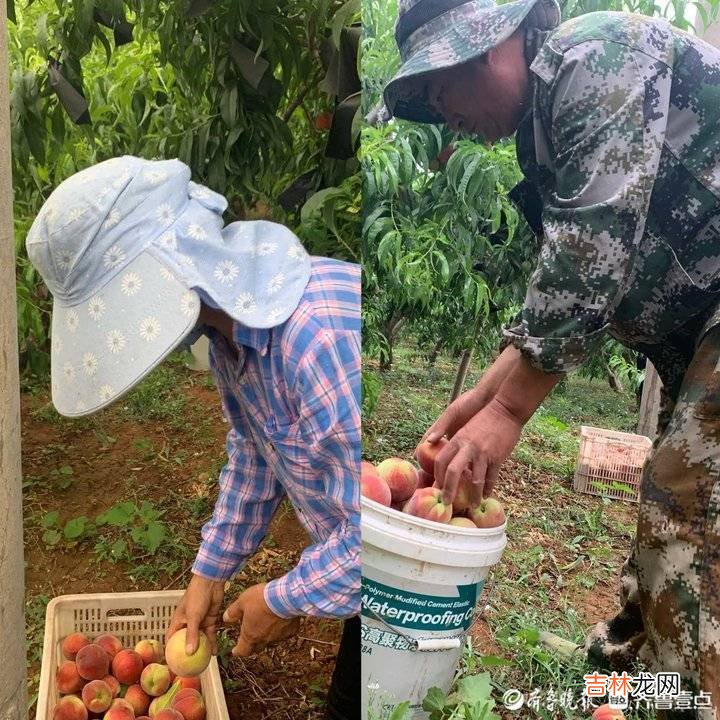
[617, 122]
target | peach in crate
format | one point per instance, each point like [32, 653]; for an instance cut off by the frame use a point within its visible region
[130, 617]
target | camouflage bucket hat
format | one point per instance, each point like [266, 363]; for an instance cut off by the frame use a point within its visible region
[436, 34]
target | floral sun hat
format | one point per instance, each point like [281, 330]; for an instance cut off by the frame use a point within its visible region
[127, 248]
[436, 34]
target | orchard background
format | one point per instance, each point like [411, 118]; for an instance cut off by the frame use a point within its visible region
[446, 262]
[260, 99]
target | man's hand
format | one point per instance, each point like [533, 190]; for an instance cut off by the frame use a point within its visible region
[199, 609]
[259, 625]
[482, 445]
[459, 412]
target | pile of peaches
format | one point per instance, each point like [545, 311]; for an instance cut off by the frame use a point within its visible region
[100, 678]
[399, 484]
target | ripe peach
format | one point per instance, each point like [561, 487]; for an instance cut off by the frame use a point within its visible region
[190, 682]
[113, 684]
[367, 468]
[122, 703]
[68, 679]
[425, 479]
[120, 712]
[127, 666]
[463, 522]
[155, 679]
[181, 663]
[72, 643]
[374, 487]
[401, 477]
[138, 698]
[428, 503]
[70, 707]
[168, 714]
[92, 662]
[605, 712]
[190, 704]
[463, 497]
[489, 513]
[426, 452]
[151, 651]
[110, 644]
[97, 696]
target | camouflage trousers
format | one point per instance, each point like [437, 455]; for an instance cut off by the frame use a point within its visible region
[670, 583]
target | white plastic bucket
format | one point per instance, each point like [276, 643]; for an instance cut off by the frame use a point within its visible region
[421, 582]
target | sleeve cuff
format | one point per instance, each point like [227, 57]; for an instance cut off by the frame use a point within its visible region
[553, 355]
[279, 601]
[210, 569]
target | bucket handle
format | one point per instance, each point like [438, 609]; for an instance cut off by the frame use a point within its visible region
[434, 644]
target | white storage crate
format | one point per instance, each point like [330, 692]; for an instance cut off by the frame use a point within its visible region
[131, 617]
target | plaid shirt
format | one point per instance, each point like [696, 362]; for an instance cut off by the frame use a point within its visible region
[293, 399]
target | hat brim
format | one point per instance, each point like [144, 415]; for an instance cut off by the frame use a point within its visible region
[104, 346]
[460, 35]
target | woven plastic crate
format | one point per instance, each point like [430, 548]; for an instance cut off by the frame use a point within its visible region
[131, 617]
[610, 463]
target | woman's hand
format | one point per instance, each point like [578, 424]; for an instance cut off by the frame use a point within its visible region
[198, 610]
[482, 445]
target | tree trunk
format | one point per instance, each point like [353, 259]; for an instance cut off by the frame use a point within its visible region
[391, 330]
[12, 583]
[464, 365]
[433, 356]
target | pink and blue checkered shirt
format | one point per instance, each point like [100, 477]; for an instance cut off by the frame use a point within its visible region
[293, 400]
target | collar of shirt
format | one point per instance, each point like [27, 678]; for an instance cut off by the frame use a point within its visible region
[257, 339]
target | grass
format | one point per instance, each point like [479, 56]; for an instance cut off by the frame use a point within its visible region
[561, 567]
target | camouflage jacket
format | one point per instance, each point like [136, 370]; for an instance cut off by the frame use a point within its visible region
[623, 145]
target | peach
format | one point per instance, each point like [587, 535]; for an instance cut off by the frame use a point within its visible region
[605, 712]
[401, 477]
[127, 666]
[123, 704]
[97, 696]
[168, 714]
[463, 497]
[181, 663]
[190, 704]
[489, 513]
[367, 468]
[72, 643]
[425, 479]
[68, 678]
[427, 503]
[138, 698]
[190, 682]
[375, 488]
[110, 644]
[144, 717]
[164, 701]
[92, 662]
[155, 679]
[120, 712]
[113, 684]
[151, 651]
[70, 707]
[426, 452]
[463, 522]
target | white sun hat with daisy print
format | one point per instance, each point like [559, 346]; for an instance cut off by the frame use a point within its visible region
[127, 248]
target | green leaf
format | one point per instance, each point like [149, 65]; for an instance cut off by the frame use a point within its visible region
[401, 712]
[119, 515]
[50, 519]
[75, 528]
[530, 635]
[65, 470]
[435, 700]
[494, 661]
[119, 550]
[51, 537]
[343, 17]
[473, 689]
